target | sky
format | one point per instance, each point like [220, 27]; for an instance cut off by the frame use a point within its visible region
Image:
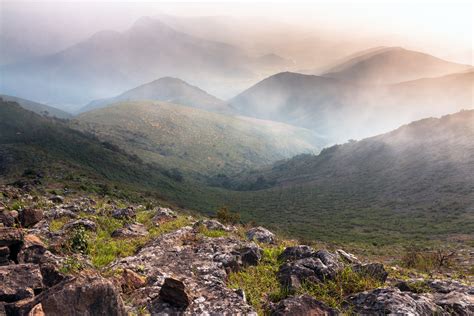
[443, 28]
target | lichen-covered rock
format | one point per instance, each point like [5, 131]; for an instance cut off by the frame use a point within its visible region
[124, 213]
[210, 224]
[250, 255]
[19, 281]
[391, 301]
[331, 260]
[130, 230]
[162, 215]
[373, 270]
[6, 219]
[131, 281]
[302, 305]
[455, 303]
[57, 199]
[198, 263]
[260, 234]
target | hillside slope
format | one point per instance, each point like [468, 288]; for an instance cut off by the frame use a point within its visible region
[423, 171]
[392, 65]
[194, 140]
[166, 89]
[36, 107]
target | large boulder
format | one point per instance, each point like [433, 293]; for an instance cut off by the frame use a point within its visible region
[390, 301]
[251, 255]
[302, 305]
[260, 234]
[87, 295]
[12, 238]
[130, 230]
[19, 281]
[6, 219]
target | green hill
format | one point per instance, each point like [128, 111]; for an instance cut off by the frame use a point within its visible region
[38, 108]
[415, 183]
[194, 140]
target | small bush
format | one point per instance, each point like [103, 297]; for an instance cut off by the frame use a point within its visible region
[78, 241]
[227, 217]
[427, 260]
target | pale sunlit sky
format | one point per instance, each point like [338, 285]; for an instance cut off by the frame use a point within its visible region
[443, 28]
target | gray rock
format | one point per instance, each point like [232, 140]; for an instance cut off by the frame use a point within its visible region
[57, 199]
[330, 259]
[296, 252]
[260, 234]
[130, 230]
[163, 215]
[455, 303]
[86, 223]
[374, 270]
[292, 274]
[124, 213]
[6, 219]
[251, 255]
[210, 224]
[390, 301]
[347, 257]
[302, 305]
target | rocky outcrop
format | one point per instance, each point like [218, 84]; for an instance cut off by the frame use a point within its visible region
[302, 305]
[124, 213]
[210, 224]
[19, 281]
[85, 223]
[373, 270]
[83, 295]
[391, 301]
[28, 217]
[163, 215]
[260, 234]
[199, 263]
[175, 292]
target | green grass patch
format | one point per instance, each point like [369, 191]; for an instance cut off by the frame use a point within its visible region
[212, 233]
[57, 224]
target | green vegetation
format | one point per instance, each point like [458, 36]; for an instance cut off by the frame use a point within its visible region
[261, 285]
[213, 233]
[223, 215]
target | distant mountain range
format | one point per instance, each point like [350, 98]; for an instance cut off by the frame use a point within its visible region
[166, 89]
[194, 140]
[109, 63]
[340, 109]
[388, 65]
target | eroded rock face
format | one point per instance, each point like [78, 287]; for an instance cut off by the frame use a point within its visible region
[124, 213]
[391, 301]
[175, 292]
[302, 305]
[199, 263]
[347, 257]
[260, 234]
[296, 252]
[19, 281]
[82, 295]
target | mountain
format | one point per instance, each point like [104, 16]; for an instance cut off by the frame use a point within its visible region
[110, 62]
[38, 108]
[167, 89]
[413, 182]
[341, 110]
[391, 65]
[194, 140]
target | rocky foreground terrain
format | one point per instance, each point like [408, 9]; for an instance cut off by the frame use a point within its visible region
[78, 254]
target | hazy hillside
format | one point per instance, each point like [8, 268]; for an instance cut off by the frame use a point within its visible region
[195, 140]
[392, 65]
[414, 182]
[341, 110]
[313, 102]
[166, 89]
[110, 62]
[39, 108]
